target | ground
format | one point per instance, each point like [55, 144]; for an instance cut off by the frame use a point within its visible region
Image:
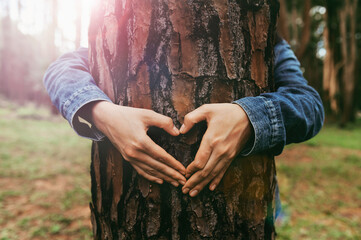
[45, 183]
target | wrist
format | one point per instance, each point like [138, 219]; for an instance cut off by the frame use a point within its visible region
[248, 133]
[98, 112]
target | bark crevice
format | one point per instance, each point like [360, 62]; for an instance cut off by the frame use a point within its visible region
[174, 56]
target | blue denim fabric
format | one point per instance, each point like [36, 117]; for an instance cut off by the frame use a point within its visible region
[294, 113]
[70, 87]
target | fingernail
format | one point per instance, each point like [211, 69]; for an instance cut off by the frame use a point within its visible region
[213, 187]
[159, 181]
[176, 184]
[182, 182]
[182, 128]
[175, 130]
[185, 191]
[193, 193]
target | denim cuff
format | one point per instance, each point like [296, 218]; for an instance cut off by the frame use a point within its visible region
[76, 101]
[267, 123]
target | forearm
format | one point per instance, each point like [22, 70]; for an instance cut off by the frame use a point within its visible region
[294, 113]
[71, 88]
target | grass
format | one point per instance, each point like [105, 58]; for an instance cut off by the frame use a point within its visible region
[45, 183]
[44, 176]
[320, 185]
[334, 136]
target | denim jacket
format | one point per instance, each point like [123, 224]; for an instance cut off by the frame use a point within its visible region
[294, 113]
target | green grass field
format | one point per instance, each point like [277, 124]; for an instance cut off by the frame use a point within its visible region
[320, 183]
[44, 181]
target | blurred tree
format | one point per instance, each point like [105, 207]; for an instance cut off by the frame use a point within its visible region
[295, 24]
[173, 56]
[78, 22]
[306, 30]
[15, 62]
[358, 69]
[19, 8]
[330, 72]
[22, 61]
[340, 73]
[283, 21]
[349, 55]
[53, 30]
[300, 24]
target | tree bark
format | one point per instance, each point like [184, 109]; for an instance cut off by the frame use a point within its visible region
[174, 56]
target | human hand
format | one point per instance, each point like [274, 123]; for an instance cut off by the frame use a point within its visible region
[127, 128]
[228, 131]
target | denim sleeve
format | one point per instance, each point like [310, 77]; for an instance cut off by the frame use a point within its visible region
[292, 114]
[70, 87]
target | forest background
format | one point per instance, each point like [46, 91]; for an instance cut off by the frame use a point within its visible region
[36, 145]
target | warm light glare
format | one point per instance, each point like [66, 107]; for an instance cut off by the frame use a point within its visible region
[36, 17]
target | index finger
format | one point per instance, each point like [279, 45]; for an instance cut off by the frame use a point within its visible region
[157, 152]
[192, 118]
[203, 154]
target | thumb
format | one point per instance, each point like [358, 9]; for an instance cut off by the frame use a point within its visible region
[196, 116]
[161, 121]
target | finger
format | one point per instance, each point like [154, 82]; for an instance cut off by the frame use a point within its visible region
[147, 176]
[195, 184]
[214, 160]
[160, 167]
[218, 178]
[203, 154]
[161, 121]
[192, 118]
[199, 180]
[154, 172]
[156, 152]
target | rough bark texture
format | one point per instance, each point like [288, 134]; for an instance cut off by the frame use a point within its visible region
[173, 56]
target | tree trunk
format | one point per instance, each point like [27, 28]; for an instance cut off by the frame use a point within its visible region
[306, 30]
[20, 6]
[53, 30]
[330, 72]
[78, 23]
[283, 21]
[348, 49]
[294, 26]
[173, 56]
[341, 23]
